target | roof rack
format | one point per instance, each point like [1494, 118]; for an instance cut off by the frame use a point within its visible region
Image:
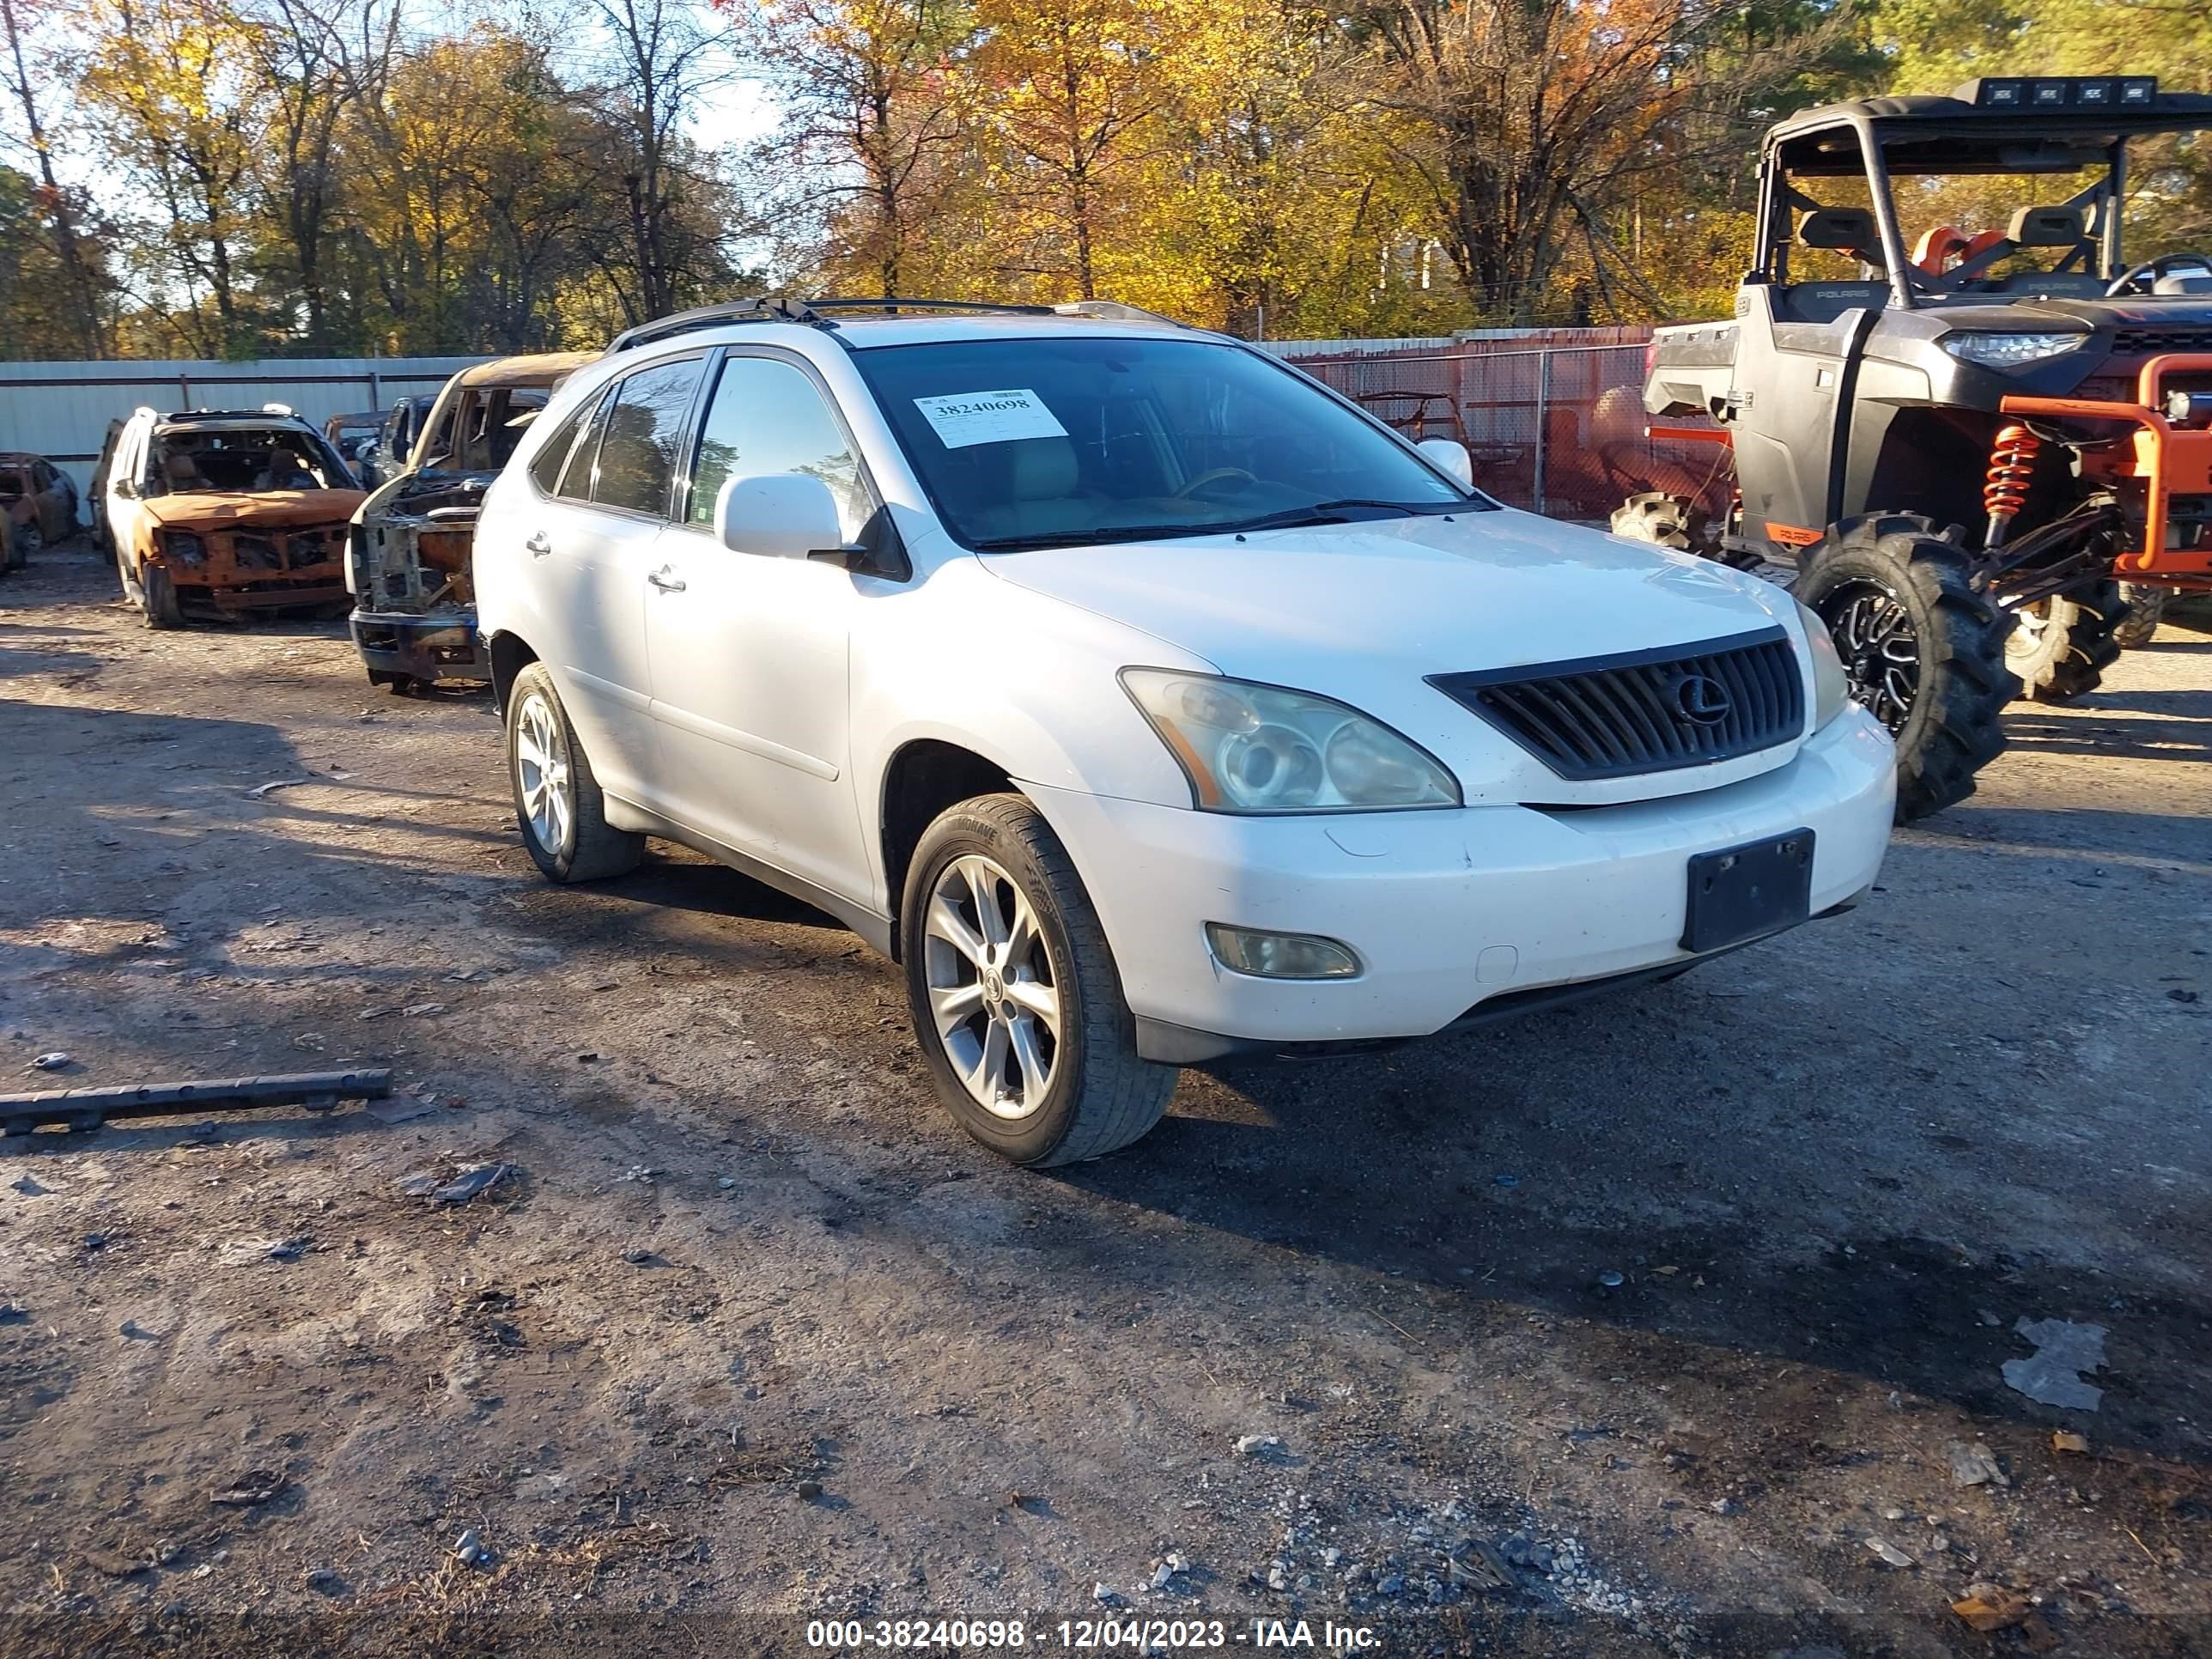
[1113, 311]
[824, 314]
[266, 412]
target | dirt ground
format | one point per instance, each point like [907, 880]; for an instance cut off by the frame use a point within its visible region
[1618, 1331]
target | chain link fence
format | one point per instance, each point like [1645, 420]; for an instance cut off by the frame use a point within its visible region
[1558, 429]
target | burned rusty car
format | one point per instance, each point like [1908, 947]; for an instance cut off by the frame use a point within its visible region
[407, 566]
[224, 513]
[38, 506]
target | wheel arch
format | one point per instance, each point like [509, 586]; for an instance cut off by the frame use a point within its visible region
[510, 654]
[923, 777]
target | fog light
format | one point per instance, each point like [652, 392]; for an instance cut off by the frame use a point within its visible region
[1279, 955]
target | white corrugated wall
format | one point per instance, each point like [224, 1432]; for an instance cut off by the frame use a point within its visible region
[61, 410]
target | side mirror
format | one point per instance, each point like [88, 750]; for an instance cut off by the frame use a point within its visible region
[1452, 455]
[779, 515]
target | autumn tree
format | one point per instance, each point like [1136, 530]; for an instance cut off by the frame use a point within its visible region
[170, 89]
[871, 93]
[46, 221]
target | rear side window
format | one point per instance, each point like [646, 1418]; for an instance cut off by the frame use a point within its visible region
[642, 436]
[545, 465]
[576, 477]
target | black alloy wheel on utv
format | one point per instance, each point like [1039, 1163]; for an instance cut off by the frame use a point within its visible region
[2062, 645]
[1922, 649]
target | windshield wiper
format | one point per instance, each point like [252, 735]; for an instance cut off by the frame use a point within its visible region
[1334, 512]
[1077, 538]
[1287, 518]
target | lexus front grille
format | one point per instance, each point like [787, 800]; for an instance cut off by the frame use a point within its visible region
[1644, 711]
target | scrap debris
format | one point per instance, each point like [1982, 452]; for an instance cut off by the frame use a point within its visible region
[473, 1178]
[1991, 1608]
[2052, 1374]
[253, 1488]
[1975, 1465]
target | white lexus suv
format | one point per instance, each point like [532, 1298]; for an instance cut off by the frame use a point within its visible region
[1145, 700]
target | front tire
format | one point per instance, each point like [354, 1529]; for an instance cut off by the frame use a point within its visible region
[157, 600]
[27, 540]
[557, 800]
[1016, 1002]
[1922, 649]
[2062, 645]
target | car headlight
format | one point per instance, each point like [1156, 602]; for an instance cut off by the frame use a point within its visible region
[184, 547]
[1832, 692]
[1250, 747]
[2009, 350]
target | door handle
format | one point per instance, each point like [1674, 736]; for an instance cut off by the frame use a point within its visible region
[666, 580]
[537, 545]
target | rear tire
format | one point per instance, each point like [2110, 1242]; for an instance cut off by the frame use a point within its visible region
[1009, 974]
[2060, 646]
[2146, 609]
[557, 801]
[26, 540]
[1923, 650]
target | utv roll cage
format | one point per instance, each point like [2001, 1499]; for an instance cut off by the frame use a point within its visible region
[2042, 125]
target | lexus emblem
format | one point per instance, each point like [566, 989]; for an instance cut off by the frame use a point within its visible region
[1702, 698]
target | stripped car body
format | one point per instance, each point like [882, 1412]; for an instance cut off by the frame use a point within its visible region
[226, 513]
[414, 620]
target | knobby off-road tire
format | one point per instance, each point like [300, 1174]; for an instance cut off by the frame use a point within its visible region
[1921, 647]
[2146, 609]
[1656, 517]
[2060, 646]
[558, 802]
[1096, 1095]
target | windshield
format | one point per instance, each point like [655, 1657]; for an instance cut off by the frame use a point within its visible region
[1044, 441]
[244, 459]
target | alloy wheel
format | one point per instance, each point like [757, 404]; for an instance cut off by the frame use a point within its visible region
[993, 998]
[541, 763]
[1880, 649]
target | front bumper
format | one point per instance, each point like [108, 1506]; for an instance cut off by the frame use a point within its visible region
[442, 645]
[1446, 909]
[195, 593]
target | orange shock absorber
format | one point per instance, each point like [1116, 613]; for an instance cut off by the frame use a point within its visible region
[2012, 464]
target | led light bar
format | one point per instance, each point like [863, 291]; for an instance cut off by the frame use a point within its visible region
[2063, 92]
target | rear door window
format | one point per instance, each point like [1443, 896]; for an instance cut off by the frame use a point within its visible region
[641, 437]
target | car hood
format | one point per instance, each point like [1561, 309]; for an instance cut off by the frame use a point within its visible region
[239, 509]
[2164, 311]
[1404, 597]
[1365, 612]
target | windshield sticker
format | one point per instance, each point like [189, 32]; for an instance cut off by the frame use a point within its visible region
[989, 417]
